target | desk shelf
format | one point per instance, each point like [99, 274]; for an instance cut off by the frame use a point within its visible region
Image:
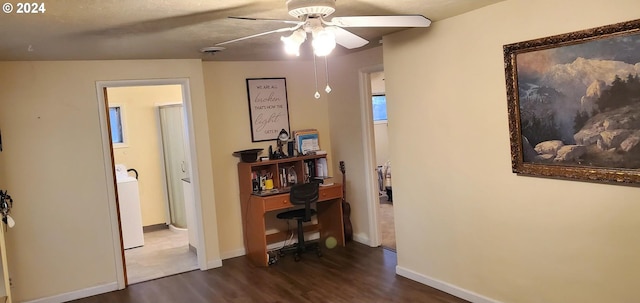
[254, 207]
[275, 168]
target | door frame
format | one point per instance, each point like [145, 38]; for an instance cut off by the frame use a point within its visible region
[107, 149]
[369, 151]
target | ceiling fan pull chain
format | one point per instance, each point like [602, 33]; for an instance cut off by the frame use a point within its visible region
[315, 75]
[326, 70]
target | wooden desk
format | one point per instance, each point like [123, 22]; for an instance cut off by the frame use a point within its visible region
[330, 221]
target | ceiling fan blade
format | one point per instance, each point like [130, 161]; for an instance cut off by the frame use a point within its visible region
[280, 30]
[381, 21]
[171, 22]
[266, 19]
[347, 38]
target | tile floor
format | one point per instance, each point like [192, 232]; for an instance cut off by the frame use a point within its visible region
[165, 252]
[387, 224]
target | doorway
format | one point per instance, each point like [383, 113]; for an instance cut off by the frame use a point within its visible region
[148, 141]
[147, 109]
[370, 159]
[383, 163]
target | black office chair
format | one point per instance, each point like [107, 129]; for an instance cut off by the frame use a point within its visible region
[301, 194]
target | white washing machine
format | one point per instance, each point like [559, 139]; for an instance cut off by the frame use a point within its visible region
[130, 213]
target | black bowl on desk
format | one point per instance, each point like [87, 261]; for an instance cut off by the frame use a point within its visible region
[248, 155]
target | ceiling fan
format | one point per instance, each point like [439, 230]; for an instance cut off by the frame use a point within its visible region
[312, 14]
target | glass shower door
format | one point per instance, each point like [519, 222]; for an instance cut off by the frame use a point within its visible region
[172, 127]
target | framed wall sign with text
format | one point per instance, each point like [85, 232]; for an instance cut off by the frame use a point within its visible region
[268, 108]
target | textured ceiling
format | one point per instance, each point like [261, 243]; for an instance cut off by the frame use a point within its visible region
[178, 29]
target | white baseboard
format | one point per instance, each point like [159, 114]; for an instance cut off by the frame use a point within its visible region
[444, 286]
[241, 252]
[78, 294]
[362, 239]
[232, 254]
[214, 264]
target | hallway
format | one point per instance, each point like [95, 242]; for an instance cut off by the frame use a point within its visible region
[165, 252]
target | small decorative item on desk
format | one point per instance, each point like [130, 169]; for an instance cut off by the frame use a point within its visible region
[290, 148]
[283, 137]
[324, 181]
[288, 176]
[255, 182]
[293, 177]
[317, 152]
[306, 141]
[265, 180]
[268, 184]
[248, 155]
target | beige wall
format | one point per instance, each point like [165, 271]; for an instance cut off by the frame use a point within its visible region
[54, 167]
[143, 149]
[2, 177]
[346, 116]
[481, 228]
[466, 219]
[377, 83]
[228, 112]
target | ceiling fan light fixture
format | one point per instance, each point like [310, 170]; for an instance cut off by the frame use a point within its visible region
[324, 41]
[211, 49]
[292, 43]
[301, 8]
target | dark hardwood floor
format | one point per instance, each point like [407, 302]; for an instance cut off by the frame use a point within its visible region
[356, 273]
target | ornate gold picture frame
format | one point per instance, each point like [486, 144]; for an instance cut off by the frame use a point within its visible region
[574, 104]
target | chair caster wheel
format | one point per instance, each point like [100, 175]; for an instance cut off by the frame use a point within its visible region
[296, 258]
[319, 253]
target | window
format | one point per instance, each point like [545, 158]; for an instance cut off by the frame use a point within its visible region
[117, 126]
[379, 105]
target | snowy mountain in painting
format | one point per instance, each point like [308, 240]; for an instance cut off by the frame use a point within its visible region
[573, 79]
[566, 89]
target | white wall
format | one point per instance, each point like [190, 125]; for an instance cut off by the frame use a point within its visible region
[380, 129]
[53, 165]
[466, 219]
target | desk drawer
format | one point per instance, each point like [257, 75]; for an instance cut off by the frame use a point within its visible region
[330, 192]
[276, 202]
[282, 201]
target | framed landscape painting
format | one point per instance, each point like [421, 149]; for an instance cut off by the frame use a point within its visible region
[574, 104]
